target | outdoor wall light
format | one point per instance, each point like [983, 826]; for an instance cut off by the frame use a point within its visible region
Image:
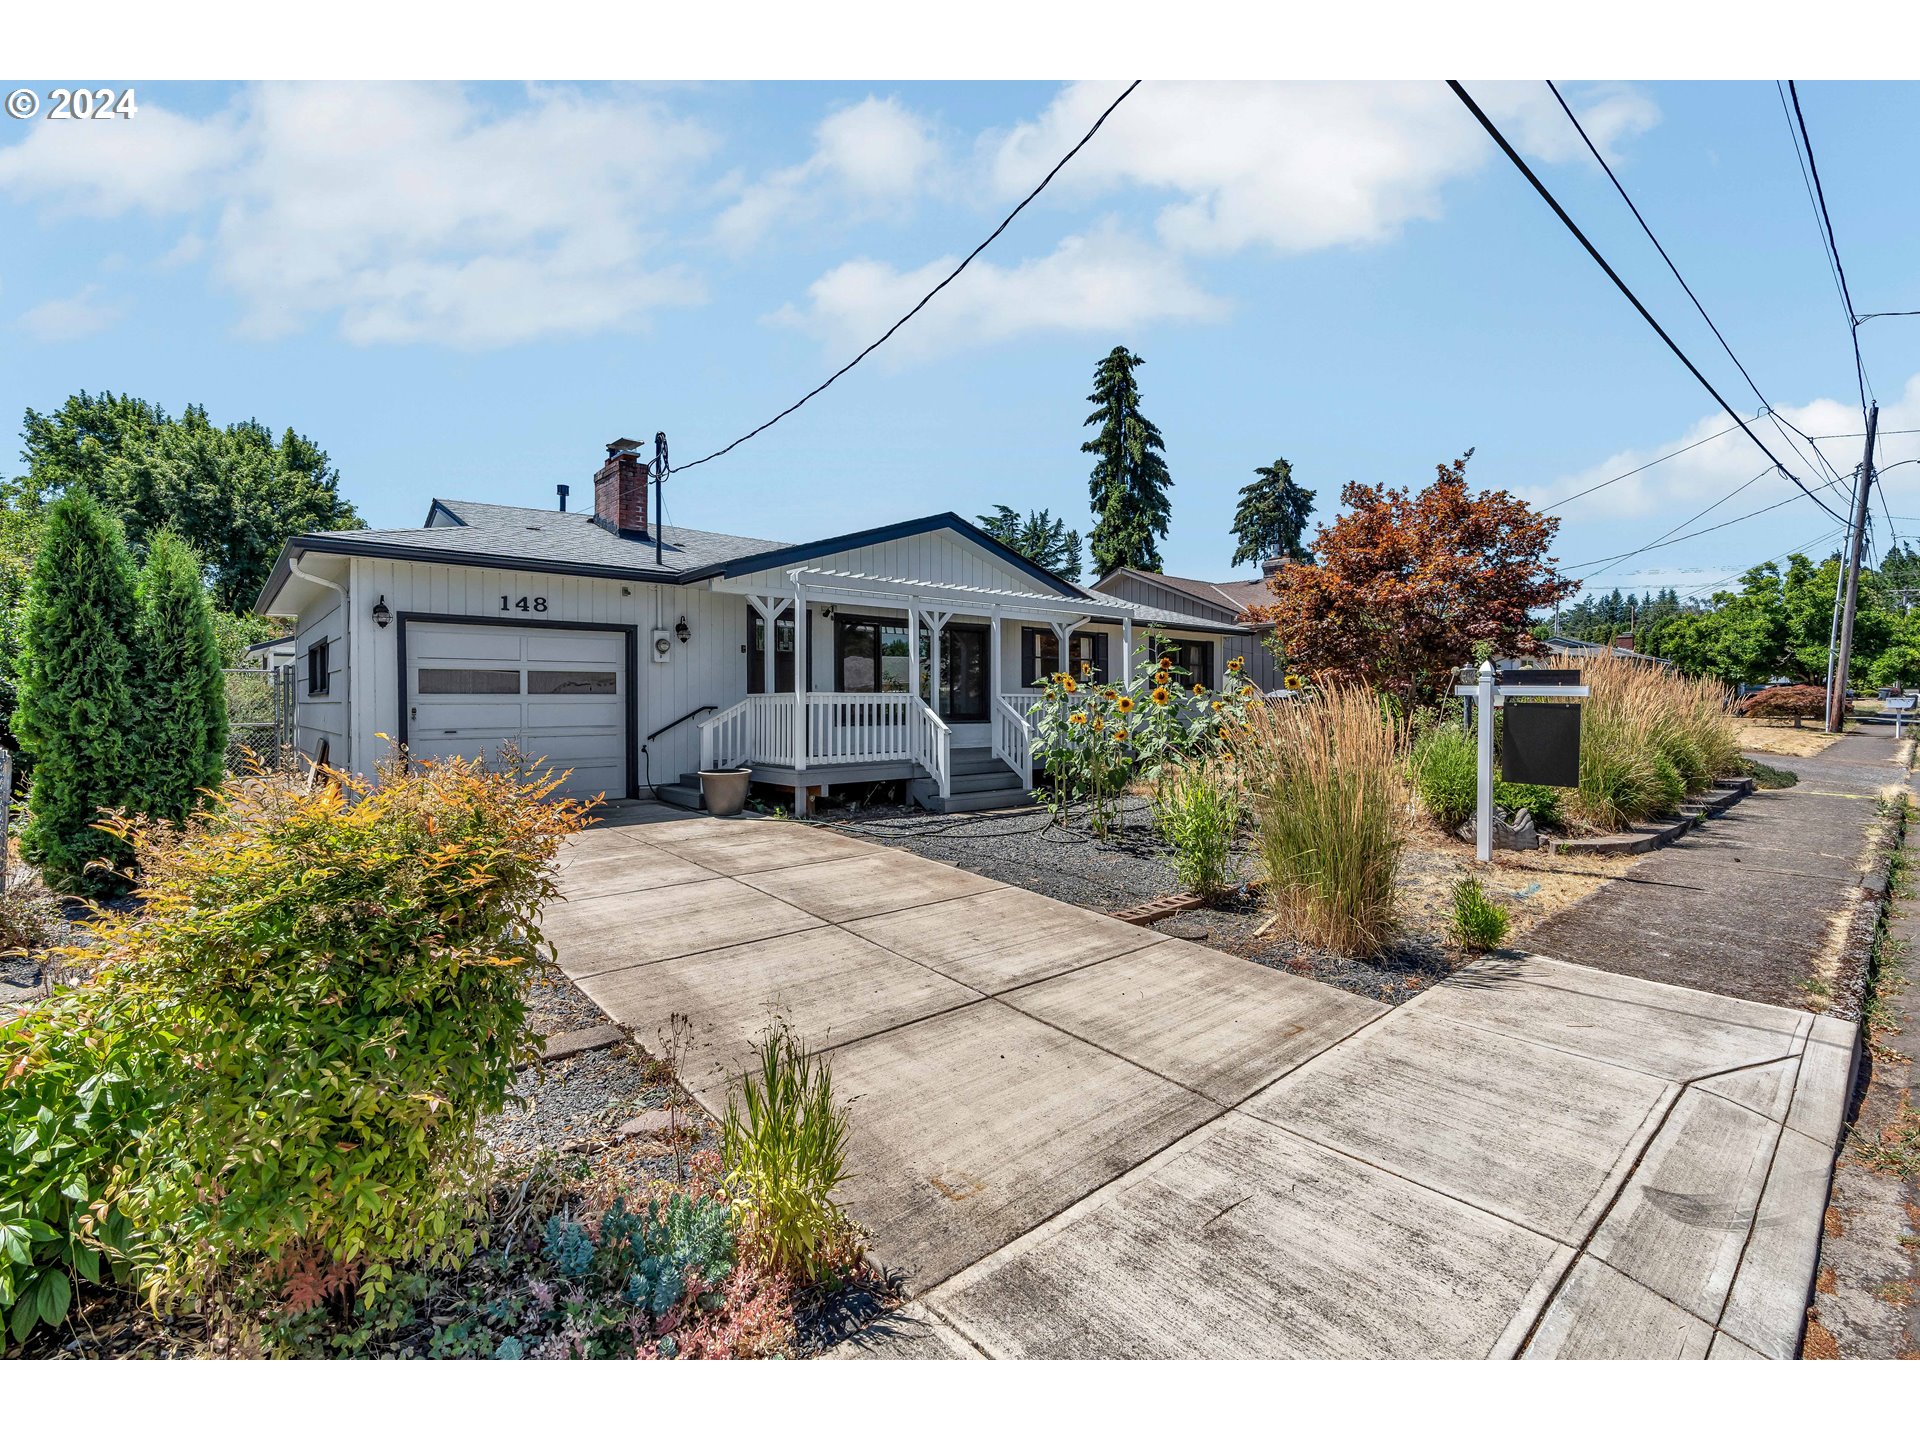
[382, 616]
[683, 631]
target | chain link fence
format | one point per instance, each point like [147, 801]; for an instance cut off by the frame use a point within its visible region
[259, 719]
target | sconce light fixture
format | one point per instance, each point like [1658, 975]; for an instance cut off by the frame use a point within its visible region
[683, 631]
[382, 616]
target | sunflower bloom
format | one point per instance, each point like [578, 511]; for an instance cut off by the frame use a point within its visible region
[1099, 724]
[1237, 664]
[1199, 689]
[1069, 684]
[1119, 737]
[1218, 703]
[1124, 704]
[1293, 682]
[1077, 718]
[1159, 696]
[1247, 692]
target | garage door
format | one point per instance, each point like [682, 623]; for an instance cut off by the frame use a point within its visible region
[559, 695]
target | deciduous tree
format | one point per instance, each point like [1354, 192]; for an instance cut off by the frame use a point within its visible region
[1406, 585]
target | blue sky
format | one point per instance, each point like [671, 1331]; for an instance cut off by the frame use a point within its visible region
[466, 291]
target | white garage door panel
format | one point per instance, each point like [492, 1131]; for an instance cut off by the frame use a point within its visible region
[557, 695]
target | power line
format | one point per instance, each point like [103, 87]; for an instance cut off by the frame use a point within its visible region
[1800, 549]
[1882, 315]
[1667, 537]
[1861, 435]
[1578, 494]
[1031, 196]
[1840, 270]
[1600, 260]
[1813, 206]
[1647, 230]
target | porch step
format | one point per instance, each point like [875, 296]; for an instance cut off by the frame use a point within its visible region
[976, 761]
[975, 782]
[685, 792]
[959, 803]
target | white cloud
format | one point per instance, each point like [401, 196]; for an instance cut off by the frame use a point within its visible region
[1104, 280]
[402, 212]
[73, 318]
[868, 159]
[1293, 166]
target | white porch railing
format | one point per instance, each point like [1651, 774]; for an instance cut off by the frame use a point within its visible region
[842, 728]
[759, 728]
[1013, 736]
[931, 742]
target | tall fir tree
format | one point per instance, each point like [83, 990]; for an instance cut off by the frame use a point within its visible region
[1128, 487]
[75, 702]
[1272, 516]
[180, 731]
[1041, 538]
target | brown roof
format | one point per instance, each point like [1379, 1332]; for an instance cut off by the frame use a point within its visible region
[1233, 595]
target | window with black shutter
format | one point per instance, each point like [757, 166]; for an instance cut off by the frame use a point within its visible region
[319, 667]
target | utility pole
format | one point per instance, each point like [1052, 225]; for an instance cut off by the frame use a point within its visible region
[1843, 657]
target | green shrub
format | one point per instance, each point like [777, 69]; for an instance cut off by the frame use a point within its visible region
[75, 709]
[338, 980]
[73, 1101]
[1328, 776]
[1197, 812]
[1649, 738]
[1540, 801]
[1477, 922]
[784, 1147]
[1445, 774]
[179, 743]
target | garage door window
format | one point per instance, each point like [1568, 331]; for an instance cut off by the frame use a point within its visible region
[572, 682]
[469, 682]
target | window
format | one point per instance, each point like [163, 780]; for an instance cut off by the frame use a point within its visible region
[319, 667]
[1195, 657]
[870, 656]
[1040, 655]
[469, 682]
[572, 682]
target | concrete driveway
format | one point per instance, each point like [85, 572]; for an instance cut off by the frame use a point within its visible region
[1075, 1137]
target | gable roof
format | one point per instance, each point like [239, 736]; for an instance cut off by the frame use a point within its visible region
[519, 537]
[1233, 596]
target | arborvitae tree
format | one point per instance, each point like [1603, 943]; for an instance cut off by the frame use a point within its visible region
[180, 734]
[1272, 516]
[75, 702]
[1128, 487]
[1041, 538]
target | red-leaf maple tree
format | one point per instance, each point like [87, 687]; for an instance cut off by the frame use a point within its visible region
[1405, 585]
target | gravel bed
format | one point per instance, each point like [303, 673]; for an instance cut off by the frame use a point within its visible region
[1027, 848]
[556, 1006]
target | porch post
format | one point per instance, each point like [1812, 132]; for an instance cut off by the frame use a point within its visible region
[937, 623]
[913, 647]
[1126, 650]
[799, 688]
[994, 681]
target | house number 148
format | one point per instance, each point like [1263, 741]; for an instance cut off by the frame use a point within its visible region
[536, 603]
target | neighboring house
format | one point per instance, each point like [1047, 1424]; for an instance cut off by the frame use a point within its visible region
[1569, 648]
[632, 654]
[1224, 603]
[266, 655]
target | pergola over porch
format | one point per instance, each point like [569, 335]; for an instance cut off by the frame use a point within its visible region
[824, 731]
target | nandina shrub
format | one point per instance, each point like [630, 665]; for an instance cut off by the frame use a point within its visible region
[338, 976]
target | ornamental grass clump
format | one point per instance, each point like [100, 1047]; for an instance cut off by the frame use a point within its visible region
[1478, 923]
[1649, 738]
[784, 1148]
[1328, 780]
[333, 983]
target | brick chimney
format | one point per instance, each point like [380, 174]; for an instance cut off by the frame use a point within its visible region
[1623, 642]
[620, 490]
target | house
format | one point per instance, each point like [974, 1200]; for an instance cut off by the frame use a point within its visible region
[632, 653]
[1568, 648]
[1223, 602]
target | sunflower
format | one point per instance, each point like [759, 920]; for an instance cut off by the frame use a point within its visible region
[1218, 703]
[1294, 682]
[1124, 704]
[1247, 692]
[1086, 667]
[1119, 737]
[1099, 724]
[1159, 696]
[1069, 684]
[1199, 689]
[1237, 664]
[1109, 694]
[1077, 718]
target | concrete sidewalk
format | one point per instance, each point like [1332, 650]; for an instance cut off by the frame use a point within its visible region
[1074, 1137]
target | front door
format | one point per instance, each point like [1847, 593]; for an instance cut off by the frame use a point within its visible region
[965, 687]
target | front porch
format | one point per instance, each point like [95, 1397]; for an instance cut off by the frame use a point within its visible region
[916, 698]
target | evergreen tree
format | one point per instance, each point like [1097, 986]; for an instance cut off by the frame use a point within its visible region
[1128, 487]
[75, 705]
[1272, 516]
[180, 734]
[1041, 538]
